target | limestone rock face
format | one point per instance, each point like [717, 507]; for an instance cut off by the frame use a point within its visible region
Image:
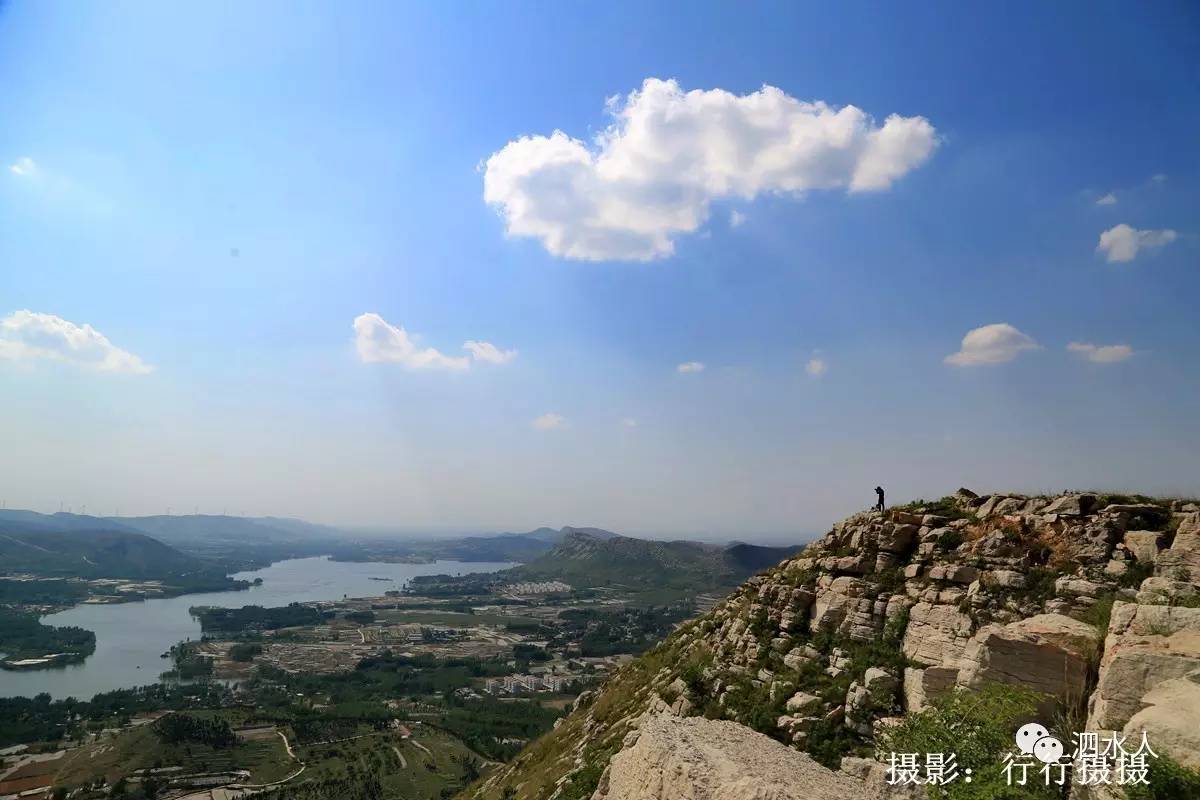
[1146, 646]
[868, 699]
[1165, 592]
[1181, 561]
[803, 703]
[922, 686]
[937, 634]
[1075, 505]
[1049, 654]
[702, 759]
[835, 602]
[1143, 545]
[1171, 719]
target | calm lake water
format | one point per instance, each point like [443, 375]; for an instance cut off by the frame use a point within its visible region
[131, 637]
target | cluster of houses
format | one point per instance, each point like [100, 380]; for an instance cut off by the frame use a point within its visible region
[523, 684]
[535, 587]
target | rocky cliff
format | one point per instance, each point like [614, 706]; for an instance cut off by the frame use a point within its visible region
[1091, 601]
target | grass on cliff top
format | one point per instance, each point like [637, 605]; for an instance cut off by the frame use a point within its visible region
[943, 507]
[977, 727]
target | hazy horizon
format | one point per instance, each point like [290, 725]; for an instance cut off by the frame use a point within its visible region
[434, 532]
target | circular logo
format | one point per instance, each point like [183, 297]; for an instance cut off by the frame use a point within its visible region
[1028, 735]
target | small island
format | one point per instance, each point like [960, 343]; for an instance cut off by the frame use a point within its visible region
[28, 644]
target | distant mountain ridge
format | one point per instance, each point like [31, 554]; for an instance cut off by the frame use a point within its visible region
[578, 554]
[178, 527]
[582, 558]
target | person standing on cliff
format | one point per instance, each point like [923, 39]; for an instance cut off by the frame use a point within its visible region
[879, 504]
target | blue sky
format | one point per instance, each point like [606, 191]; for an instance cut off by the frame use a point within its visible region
[221, 191]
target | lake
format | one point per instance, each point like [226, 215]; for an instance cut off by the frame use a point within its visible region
[131, 637]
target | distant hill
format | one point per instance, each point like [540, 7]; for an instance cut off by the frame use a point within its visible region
[505, 547]
[181, 528]
[523, 547]
[585, 560]
[595, 533]
[237, 542]
[94, 553]
[187, 528]
[60, 521]
[552, 536]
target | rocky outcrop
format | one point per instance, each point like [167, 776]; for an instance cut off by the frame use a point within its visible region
[673, 758]
[882, 616]
[1181, 561]
[1147, 646]
[1171, 719]
[923, 686]
[937, 635]
[1050, 654]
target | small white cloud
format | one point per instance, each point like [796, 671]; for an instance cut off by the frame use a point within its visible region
[489, 353]
[690, 366]
[1101, 353]
[549, 422]
[991, 344]
[1122, 243]
[736, 218]
[31, 335]
[816, 366]
[652, 175]
[378, 341]
[23, 167]
[1158, 177]
[1109, 199]
[629, 422]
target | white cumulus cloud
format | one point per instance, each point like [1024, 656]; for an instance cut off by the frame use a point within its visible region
[31, 335]
[1101, 353]
[991, 344]
[23, 167]
[736, 218]
[549, 422]
[1109, 199]
[488, 352]
[816, 367]
[1122, 243]
[652, 174]
[377, 340]
[690, 366]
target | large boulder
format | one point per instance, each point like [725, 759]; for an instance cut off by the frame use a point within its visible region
[803, 703]
[1171, 719]
[1049, 653]
[923, 686]
[1072, 505]
[701, 759]
[897, 538]
[1157, 591]
[836, 600]
[1146, 647]
[866, 700]
[1181, 561]
[937, 634]
[1143, 545]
